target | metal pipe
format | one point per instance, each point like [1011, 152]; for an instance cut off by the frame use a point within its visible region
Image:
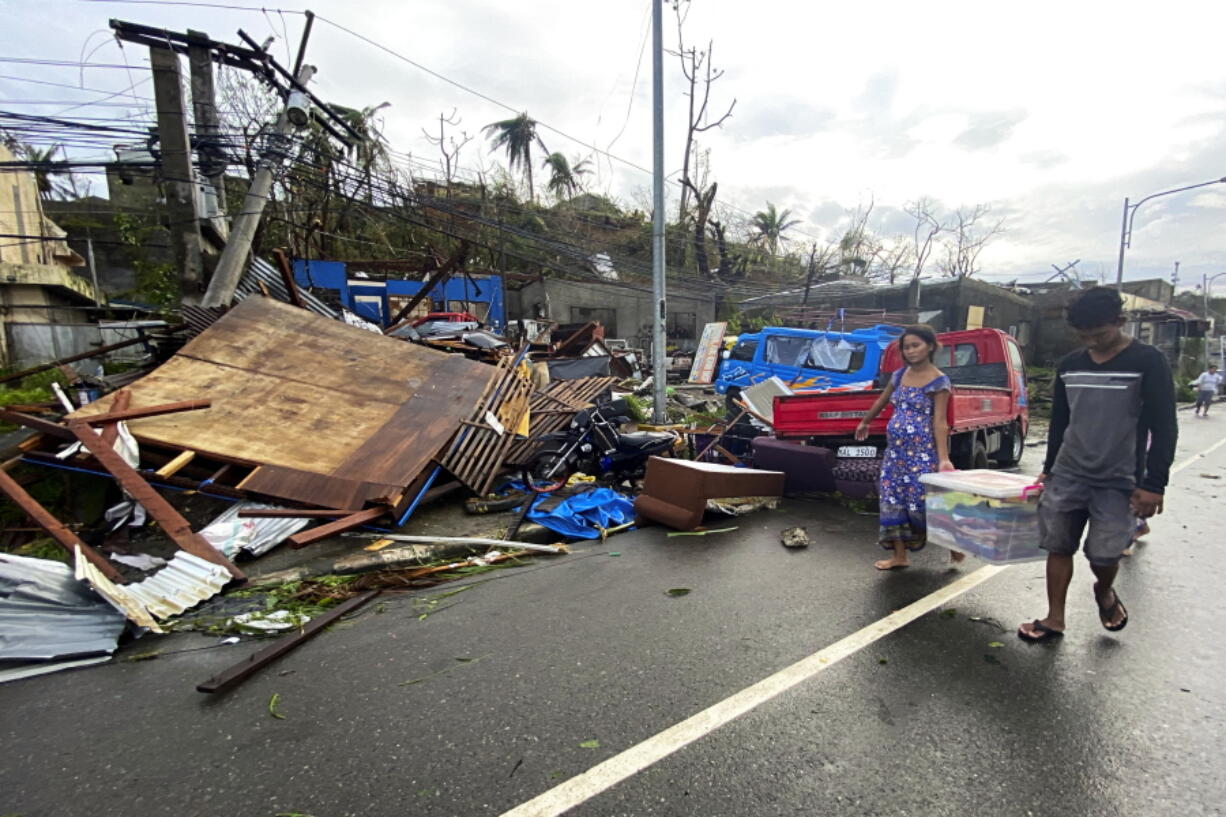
[659, 317]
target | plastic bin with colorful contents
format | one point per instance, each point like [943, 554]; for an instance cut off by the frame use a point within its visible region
[989, 514]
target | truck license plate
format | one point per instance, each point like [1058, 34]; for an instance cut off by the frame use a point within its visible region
[857, 451]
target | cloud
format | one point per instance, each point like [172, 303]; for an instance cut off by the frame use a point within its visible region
[987, 130]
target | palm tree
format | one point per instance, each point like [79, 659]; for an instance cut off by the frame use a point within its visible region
[564, 178]
[771, 225]
[46, 185]
[517, 136]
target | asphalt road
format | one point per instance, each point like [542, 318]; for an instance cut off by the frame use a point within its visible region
[520, 683]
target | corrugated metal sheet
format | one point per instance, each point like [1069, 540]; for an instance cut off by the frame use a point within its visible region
[182, 584]
[263, 272]
[46, 613]
[229, 534]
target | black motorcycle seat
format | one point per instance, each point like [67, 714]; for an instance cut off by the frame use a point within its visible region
[645, 439]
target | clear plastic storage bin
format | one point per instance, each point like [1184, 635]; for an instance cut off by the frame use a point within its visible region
[989, 514]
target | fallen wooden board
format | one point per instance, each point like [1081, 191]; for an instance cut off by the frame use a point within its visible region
[261, 658]
[353, 520]
[295, 390]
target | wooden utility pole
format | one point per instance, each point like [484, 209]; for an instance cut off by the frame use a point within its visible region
[177, 173]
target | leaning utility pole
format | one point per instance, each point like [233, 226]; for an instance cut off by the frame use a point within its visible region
[659, 318]
[177, 173]
[242, 232]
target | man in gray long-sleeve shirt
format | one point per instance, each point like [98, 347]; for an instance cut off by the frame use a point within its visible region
[1109, 452]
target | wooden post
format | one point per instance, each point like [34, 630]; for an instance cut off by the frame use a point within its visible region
[57, 530]
[171, 522]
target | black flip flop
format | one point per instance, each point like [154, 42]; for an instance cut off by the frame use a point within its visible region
[1104, 613]
[1045, 633]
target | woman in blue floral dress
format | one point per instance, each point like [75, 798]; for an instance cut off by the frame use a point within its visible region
[917, 443]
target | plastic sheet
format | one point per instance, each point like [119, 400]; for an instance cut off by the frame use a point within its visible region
[229, 534]
[583, 515]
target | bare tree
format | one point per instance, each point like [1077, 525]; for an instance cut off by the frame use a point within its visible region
[857, 245]
[970, 230]
[890, 257]
[699, 70]
[928, 228]
[448, 146]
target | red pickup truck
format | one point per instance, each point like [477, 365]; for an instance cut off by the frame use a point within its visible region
[988, 417]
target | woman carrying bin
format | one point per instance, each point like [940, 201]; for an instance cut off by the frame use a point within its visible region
[917, 443]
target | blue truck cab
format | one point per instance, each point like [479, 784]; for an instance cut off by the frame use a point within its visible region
[806, 359]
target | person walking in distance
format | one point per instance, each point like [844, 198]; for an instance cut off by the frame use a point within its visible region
[1100, 473]
[1206, 385]
[917, 443]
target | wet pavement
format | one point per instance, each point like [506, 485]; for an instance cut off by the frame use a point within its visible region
[536, 674]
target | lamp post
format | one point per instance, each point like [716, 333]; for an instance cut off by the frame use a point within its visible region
[1130, 212]
[1207, 282]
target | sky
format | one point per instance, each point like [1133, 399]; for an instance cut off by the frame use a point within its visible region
[1049, 113]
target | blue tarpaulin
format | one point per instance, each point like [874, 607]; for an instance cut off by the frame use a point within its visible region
[583, 515]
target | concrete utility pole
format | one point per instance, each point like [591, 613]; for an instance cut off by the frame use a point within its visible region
[204, 108]
[234, 257]
[660, 312]
[179, 180]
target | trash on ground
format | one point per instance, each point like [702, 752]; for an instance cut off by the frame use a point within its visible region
[796, 537]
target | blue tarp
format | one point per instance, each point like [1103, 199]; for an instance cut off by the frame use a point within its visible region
[583, 515]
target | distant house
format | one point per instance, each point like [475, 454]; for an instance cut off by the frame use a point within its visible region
[43, 285]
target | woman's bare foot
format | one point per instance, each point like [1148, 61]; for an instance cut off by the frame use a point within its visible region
[893, 563]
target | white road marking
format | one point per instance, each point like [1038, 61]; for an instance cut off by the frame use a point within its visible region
[1199, 456]
[597, 779]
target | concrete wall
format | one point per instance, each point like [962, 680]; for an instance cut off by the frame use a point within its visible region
[20, 214]
[626, 310]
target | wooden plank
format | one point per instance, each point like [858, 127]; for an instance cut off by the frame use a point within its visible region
[287, 277]
[38, 424]
[261, 658]
[110, 433]
[55, 528]
[116, 416]
[171, 522]
[177, 464]
[353, 520]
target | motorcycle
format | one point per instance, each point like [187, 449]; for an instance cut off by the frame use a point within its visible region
[595, 444]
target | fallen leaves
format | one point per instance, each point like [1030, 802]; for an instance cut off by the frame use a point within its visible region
[677, 591]
[272, 706]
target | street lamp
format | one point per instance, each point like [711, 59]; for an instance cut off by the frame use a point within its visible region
[1207, 282]
[1130, 213]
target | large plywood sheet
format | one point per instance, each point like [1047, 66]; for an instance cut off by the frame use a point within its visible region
[299, 391]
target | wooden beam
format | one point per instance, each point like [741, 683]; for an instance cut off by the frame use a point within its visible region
[177, 464]
[259, 659]
[37, 423]
[353, 520]
[145, 411]
[55, 528]
[110, 432]
[287, 277]
[170, 520]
